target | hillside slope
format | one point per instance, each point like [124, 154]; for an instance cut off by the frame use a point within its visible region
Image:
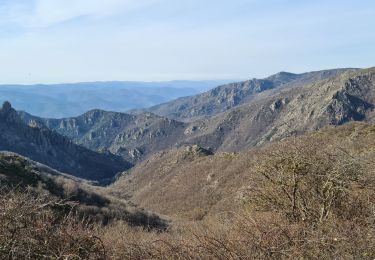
[48, 147]
[191, 183]
[335, 101]
[228, 96]
[21, 174]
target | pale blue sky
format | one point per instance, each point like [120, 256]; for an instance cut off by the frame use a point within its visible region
[49, 41]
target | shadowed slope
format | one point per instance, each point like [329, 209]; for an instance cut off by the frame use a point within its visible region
[48, 147]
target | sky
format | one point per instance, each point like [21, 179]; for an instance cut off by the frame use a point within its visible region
[55, 41]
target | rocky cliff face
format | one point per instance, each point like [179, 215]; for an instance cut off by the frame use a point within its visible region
[354, 101]
[48, 147]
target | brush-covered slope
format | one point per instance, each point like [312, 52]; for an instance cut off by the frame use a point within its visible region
[27, 176]
[231, 95]
[190, 182]
[50, 148]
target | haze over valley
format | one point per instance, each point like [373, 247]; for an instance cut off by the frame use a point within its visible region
[64, 100]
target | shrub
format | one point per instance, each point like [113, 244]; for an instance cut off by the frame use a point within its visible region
[36, 227]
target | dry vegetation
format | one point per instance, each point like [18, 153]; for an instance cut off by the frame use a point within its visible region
[20, 173]
[182, 185]
[36, 227]
[307, 197]
[310, 197]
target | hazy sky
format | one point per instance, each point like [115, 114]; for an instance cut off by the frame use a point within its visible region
[45, 41]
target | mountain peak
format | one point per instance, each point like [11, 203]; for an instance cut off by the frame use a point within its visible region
[284, 73]
[6, 106]
[283, 77]
[8, 114]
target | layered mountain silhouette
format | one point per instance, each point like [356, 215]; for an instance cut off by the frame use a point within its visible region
[50, 148]
[228, 118]
[65, 100]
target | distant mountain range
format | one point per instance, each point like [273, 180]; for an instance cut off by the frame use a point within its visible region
[66, 100]
[231, 117]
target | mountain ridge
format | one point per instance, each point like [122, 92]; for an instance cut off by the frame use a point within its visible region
[231, 95]
[133, 137]
[48, 147]
[268, 115]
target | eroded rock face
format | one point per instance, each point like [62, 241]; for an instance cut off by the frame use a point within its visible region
[348, 97]
[353, 101]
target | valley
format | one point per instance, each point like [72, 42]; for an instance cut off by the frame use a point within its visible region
[161, 129]
[298, 147]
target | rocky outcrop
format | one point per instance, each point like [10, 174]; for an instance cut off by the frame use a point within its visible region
[197, 150]
[353, 101]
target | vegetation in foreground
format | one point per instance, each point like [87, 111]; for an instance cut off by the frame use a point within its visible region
[311, 198]
[36, 227]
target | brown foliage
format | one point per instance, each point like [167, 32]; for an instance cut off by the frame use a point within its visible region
[309, 198]
[34, 227]
[307, 181]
